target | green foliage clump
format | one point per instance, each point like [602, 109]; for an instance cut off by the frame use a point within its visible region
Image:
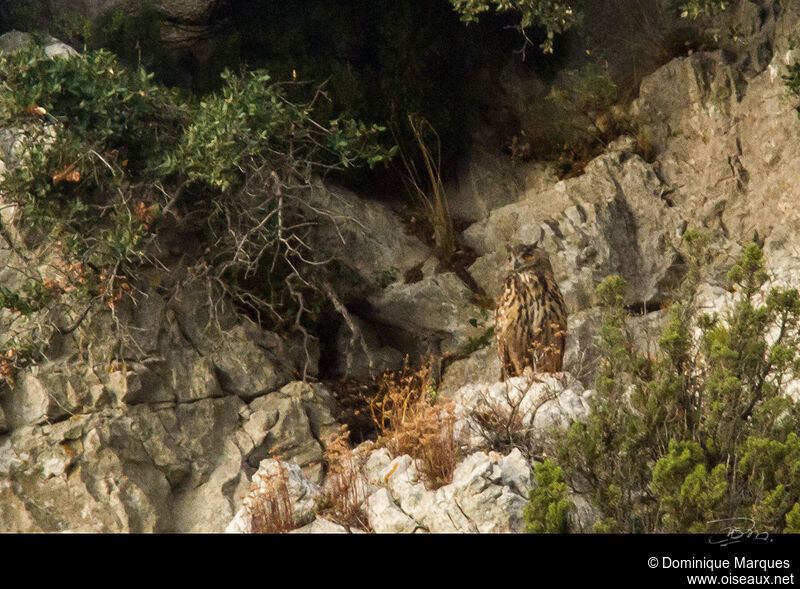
[771, 468]
[107, 164]
[702, 430]
[32, 297]
[258, 151]
[91, 130]
[263, 128]
[136, 37]
[484, 339]
[547, 511]
[588, 88]
[569, 121]
[793, 520]
[555, 16]
[387, 277]
[688, 494]
[792, 81]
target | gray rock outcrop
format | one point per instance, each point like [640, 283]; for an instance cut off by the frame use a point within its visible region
[614, 221]
[155, 467]
[487, 495]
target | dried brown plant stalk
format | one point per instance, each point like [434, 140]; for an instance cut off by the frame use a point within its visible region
[346, 483]
[398, 392]
[506, 422]
[410, 422]
[270, 504]
[426, 185]
[432, 440]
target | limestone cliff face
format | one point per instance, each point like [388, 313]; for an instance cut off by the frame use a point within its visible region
[168, 439]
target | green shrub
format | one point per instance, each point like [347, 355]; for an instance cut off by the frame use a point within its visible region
[32, 297]
[93, 130]
[688, 495]
[107, 164]
[255, 152]
[135, 37]
[793, 520]
[250, 125]
[555, 16]
[792, 81]
[485, 338]
[566, 122]
[702, 430]
[547, 511]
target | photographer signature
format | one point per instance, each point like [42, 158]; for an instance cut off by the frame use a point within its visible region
[736, 530]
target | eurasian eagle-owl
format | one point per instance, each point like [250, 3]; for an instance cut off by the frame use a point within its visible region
[531, 320]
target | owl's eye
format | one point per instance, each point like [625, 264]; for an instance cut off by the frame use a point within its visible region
[527, 256]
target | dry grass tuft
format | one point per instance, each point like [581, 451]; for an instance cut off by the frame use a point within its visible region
[505, 421]
[426, 187]
[430, 438]
[645, 147]
[409, 421]
[346, 483]
[270, 503]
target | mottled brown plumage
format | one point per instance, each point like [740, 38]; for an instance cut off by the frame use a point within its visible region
[531, 318]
